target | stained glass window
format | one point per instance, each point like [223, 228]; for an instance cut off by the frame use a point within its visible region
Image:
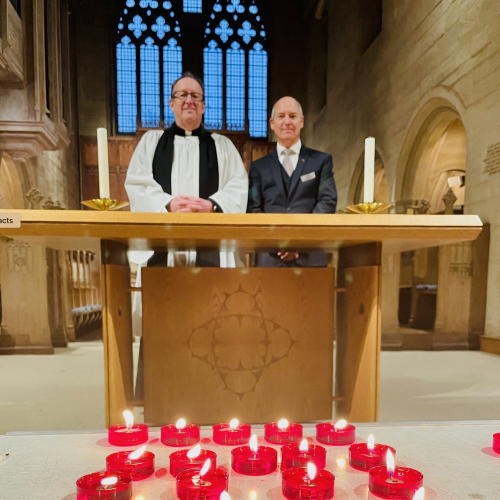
[148, 61]
[239, 100]
[192, 6]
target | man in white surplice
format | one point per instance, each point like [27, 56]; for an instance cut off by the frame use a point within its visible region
[186, 169]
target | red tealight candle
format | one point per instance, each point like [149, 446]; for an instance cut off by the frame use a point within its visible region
[294, 455]
[254, 460]
[496, 442]
[364, 456]
[282, 432]
[338, 434]
[103, 486]
[207, 484]
[394, 483]
[232, 434]
[180, 434]
[138, 464]
[191, 459]
[128, 434]
[304, 484]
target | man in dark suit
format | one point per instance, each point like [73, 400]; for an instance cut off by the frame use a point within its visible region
[292, 180]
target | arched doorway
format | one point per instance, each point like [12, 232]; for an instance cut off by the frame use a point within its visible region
[434, 183]
[11, 191]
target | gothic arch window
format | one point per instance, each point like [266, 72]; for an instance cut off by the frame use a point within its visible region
[235, 68]
[148, 61]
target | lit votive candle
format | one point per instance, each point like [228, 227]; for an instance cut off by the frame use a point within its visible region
[364, 456]
[232, 434]
[128, 434]
[392, 482]
[496, 442]
[339, 434]
[254, 460]
[180, 434]
[299, 455]
[104, 486]
[193, 459]
[308, 484]
[282, 432]
[206, 484]
[138, 464]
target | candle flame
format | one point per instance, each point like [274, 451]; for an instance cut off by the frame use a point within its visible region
[137, 453]
[109, 481]
[225, 496]
[194, 452]
[390, 464]
[181, 423]
[341, 462]
[253, 495]
[283, 424]
[129, 419]
[371, 443]
[341, 424]
[205, 468]
[311, 471]
[234, 424]
[419, 495]
[304, 446]
[253, 443]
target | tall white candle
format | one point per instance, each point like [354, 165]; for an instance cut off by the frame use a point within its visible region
[369, 170]
[102, 153]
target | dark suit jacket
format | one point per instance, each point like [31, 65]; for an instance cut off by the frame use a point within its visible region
[311, 190]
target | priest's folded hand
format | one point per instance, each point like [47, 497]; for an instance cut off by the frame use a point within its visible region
[190, 204]
[288, 256]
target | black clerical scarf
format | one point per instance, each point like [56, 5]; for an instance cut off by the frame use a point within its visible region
[209, 165]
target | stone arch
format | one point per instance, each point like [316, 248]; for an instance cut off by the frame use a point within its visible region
[11, 191]
[382, 194]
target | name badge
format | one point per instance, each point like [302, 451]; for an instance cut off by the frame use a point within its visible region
[308, 177]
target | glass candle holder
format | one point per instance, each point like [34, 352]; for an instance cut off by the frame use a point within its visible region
[120, 435]
[296, 485]
[361, 458]
[209, 487]
[496, 442]
[401, 486]
[90, 487]
[327, 434]
[254, 463]
[223, 434]
[292, 457]
[187, 436]
[137, 469]
[290, 434]
[179, 461]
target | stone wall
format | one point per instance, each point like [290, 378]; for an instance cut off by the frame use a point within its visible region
[429, 56]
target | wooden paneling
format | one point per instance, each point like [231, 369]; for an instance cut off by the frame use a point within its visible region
[117, 337]
[256, 344]
[490, 344]
[358, 344]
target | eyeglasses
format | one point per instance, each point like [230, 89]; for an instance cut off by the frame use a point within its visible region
[183, 95]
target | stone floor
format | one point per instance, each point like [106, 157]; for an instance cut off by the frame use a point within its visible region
[65, 391]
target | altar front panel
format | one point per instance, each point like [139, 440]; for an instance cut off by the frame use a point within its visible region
[256, 344]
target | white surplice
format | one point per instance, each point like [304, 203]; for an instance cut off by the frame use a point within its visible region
[146, 195]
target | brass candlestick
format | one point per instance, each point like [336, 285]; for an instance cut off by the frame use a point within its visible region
[105, 204]
[369, 208]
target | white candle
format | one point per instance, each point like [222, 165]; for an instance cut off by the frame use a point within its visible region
[102, 153]
[369, 170]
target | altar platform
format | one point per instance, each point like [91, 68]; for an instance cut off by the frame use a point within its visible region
[456, 459]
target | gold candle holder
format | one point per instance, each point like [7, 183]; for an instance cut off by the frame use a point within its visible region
[105, 204]
[369, 208]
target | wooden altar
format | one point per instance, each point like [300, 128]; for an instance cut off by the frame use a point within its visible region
[282, 358]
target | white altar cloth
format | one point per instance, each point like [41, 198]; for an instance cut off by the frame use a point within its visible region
[456, 459]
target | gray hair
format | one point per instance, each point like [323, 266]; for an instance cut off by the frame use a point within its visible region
[273, 112]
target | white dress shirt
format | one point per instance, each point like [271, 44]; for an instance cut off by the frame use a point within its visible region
[294, 157]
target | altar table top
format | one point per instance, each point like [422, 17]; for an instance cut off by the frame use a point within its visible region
[456, 459]
[84, 229]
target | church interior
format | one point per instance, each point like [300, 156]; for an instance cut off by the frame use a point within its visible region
[422, 78]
